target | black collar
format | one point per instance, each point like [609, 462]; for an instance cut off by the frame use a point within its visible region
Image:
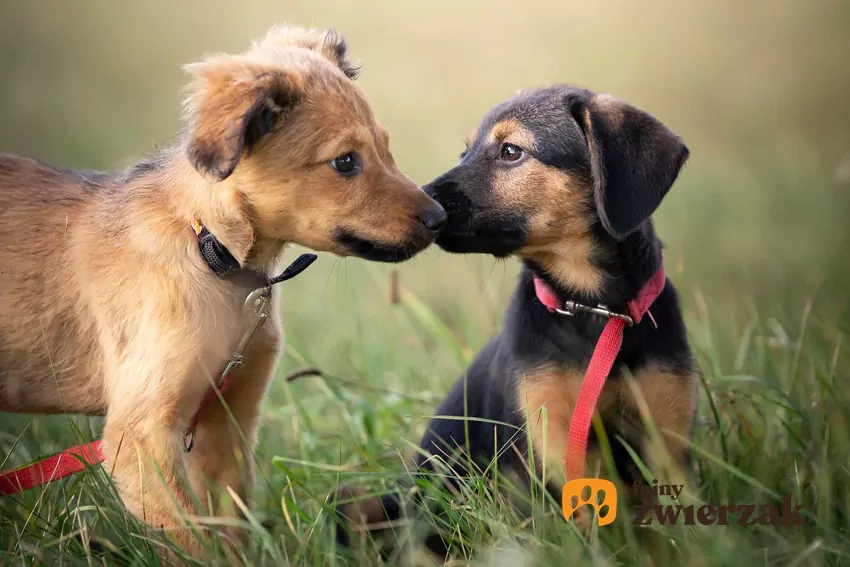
[222, 262]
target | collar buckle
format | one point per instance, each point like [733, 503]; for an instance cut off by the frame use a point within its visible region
[570, 309]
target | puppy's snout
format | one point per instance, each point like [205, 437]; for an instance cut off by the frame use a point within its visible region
[433, 218]
[439, 187]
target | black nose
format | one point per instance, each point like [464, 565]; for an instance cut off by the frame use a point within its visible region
[440, 186]
[434, 219]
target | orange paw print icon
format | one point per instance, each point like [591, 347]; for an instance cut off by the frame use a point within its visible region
[599, 493]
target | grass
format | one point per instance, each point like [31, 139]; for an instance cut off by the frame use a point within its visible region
[773, 421]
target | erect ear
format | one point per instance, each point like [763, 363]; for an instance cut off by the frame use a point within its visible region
[331, 45]
[335, 48]
[634, 160]
[232, 105]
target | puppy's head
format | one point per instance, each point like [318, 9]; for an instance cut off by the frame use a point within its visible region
[286, 127]
[550, 173]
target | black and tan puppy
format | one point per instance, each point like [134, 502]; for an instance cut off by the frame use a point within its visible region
[566, 180]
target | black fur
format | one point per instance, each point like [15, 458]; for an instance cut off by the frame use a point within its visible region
[373, 251]
[637, 162]
[156, 163]
[340, 47]
[206, 158]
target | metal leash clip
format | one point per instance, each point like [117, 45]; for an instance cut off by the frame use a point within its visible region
[256, 305]
[572, 307]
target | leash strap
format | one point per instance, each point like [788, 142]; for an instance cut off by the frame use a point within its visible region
[600, 367]
[68, 462]
[74, 460]
[601, 363]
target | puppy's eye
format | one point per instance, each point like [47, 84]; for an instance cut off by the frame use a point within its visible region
[510, 152]
[347, 164]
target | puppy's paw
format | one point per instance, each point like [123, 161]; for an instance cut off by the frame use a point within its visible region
[102, 551]
[369, 522]
[361, 516]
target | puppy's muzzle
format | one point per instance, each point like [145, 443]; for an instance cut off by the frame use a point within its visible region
[457, 205]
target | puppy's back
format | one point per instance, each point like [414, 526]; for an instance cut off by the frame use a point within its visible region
[41, 208]
[36, 190]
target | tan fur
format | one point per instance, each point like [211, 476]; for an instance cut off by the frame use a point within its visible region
[470, 139]
[611, 107]
[559, 209]
[548, 396]
[106, 306]
[670, 399]
[511, 131]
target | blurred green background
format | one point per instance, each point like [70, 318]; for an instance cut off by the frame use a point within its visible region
[755, 228]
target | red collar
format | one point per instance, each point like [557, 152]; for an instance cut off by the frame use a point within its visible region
[602, 360]
[636, 307]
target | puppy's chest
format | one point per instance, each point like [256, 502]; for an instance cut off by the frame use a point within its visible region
[254, 315]
[550, 392]
[237, 319]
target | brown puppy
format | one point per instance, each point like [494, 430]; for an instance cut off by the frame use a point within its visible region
[107, 306]
[566, 180]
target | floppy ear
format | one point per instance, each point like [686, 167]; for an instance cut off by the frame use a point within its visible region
[634, 160]
[232, 105]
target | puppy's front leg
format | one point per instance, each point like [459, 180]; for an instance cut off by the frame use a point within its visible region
[670, 398]
[222, 455]
[149, 407]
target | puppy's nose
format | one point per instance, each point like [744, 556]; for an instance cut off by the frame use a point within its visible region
[439, 187]
[434, 219]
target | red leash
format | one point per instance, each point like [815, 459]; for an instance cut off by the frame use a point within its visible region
[601, 362]
[68, 462]
[74, 460]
